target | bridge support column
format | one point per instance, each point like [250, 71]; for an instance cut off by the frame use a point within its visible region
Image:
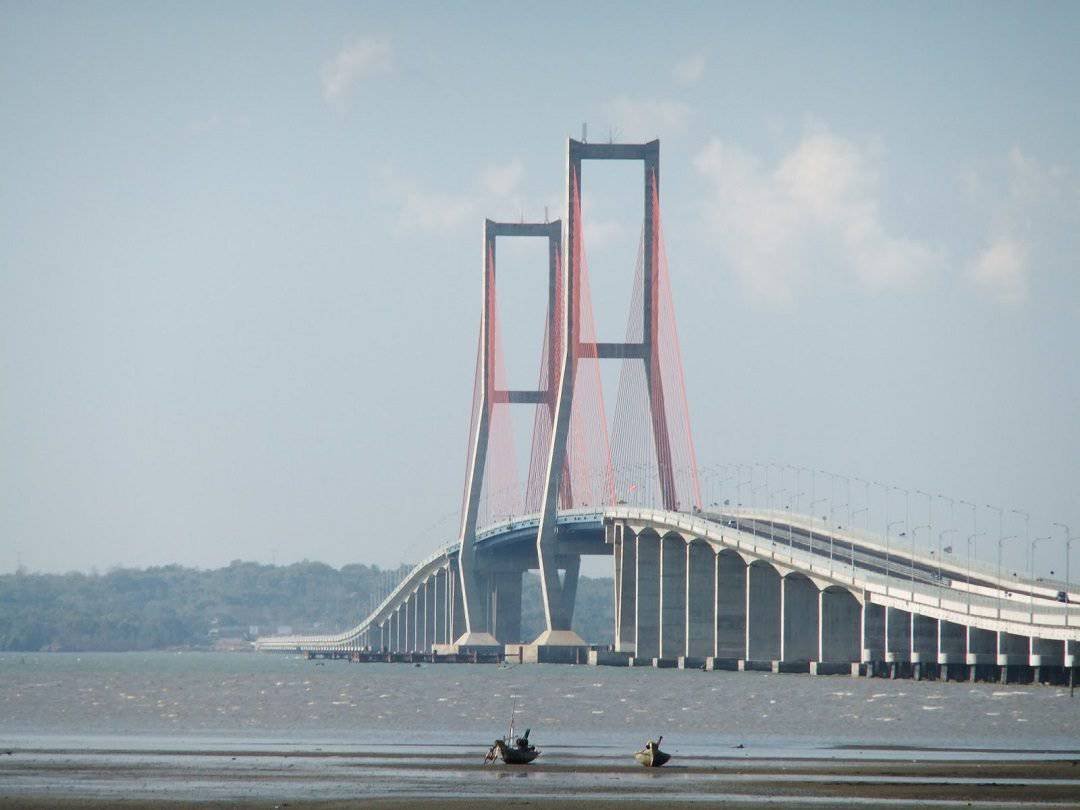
[952, 649]
[873, 635]
[672, 596]
[731, 579]
[439, 578]
[840, 613]
[430, 609]
[982, 652]
[647, 604]
[897, 640]
[700, 599]
[924, 641]
[626, 593]
[799, 619]
[1047, 655]
[417, 622]
[507, 603]
[1012, 651]
[457, 609]
[763, 597]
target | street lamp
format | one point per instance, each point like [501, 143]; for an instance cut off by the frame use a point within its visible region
[970, 538]
[739, 484]
[866, 523]
[1068, 543]
[798, 501]
[940, 581]
[915, 531]
[1001, 588]
[1027, 528]
[888, 566]
[952, 523]
[813, 504]
[929, 521]
[1031, 576]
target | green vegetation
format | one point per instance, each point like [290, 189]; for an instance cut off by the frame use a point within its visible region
[173, 606]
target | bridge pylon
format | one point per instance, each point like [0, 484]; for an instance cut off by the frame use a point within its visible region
[478, 629]
[558, 607]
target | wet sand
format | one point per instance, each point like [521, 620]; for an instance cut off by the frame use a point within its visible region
[36, 778]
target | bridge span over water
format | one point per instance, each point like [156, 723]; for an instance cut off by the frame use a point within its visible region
[748, 589]
[715, 587]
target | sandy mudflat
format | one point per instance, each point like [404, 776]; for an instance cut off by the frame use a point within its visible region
[216, 780]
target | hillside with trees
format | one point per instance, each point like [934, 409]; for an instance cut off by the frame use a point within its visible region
[176, 607]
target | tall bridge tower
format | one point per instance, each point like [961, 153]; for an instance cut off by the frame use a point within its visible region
[571, 463]
[574, 347]
[488, 396]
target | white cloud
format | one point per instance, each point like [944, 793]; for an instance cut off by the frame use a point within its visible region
[1002, 270]
[441, 211]
[817, 207]
[362, 59]
[502, 180]
[690, 69]
[645, 119]
[1031, 207]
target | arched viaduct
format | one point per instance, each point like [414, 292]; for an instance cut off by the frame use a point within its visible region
[742, 589]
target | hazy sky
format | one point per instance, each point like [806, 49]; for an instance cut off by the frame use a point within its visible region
[240, 245]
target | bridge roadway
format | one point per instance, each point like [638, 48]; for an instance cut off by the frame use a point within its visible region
[744, 589]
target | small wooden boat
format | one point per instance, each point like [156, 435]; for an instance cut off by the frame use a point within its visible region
[651, 756]
[511, 749]
[516, 752]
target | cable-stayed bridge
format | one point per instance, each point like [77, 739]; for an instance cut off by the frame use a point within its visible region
[721, 584]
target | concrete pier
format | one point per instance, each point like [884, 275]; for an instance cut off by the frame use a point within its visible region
[840, 622]
[924, 645]
[647, 604]
[873, 634]
[897, 636]
[672, 596]
[626, 560]
[952, 644]
[730, 606]
[799, 619]
[700, 600]
[763, 611]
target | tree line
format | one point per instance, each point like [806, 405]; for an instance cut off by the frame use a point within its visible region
[177, 607]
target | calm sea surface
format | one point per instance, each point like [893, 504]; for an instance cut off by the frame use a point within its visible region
[244, 698]
[265, 727]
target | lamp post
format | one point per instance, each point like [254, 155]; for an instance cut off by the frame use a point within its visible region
[1027, 532]
[813, 518]
[759, 487]
[798, 501]
[929, 521]
[940, 552]
[1031, 576]
[915, 531]
[851, 544]
[1068, 542]
[888, 530]
[952, 523]
[1001, 536]
[885, 490]
[832, 519]
[1001, 588]
[772, 518]
[970, 538]
[739, 484]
